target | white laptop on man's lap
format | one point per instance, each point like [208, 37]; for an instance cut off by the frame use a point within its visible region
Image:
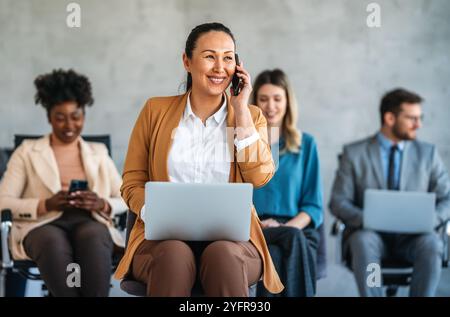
[399, 211]
[197, 212]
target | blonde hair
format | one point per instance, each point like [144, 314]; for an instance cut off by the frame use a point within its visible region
[292, 135]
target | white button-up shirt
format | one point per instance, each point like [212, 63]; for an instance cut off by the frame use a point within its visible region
[199, 152]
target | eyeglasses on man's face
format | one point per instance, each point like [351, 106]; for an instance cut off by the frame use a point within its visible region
[414, 119]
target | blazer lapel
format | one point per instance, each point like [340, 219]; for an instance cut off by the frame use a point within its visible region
[44, 163]
[91, 163]
[164, 138]
[374, 154]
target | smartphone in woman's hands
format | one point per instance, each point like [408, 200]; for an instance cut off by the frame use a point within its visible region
[77, 185]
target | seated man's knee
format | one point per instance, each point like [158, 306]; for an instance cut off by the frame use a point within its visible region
[429, 245]
[365, 240]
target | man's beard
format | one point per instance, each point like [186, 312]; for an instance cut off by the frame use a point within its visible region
[404, 136]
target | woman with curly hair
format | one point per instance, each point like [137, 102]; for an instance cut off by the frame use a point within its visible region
[51, 226]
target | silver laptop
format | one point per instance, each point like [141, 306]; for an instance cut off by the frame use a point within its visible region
[197, 212]
[399, 211]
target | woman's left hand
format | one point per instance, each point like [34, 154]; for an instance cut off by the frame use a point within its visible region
[241, 101]
[87, 200]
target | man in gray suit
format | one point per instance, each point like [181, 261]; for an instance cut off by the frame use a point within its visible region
[392, 159]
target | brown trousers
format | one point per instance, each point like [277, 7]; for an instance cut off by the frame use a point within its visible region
[169, 268]
[75, 237]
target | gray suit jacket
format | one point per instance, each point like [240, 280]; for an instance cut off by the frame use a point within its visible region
[360, 168]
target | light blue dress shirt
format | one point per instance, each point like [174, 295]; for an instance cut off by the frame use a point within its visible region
[385, 149]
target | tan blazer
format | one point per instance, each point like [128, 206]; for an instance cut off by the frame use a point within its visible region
[33, 174]
[146, 160]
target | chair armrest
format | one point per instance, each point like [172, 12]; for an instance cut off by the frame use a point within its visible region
[337, 228]
[337, 231]
[5, 229]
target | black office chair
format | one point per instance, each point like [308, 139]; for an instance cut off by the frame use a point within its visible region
[100, 138]
[395, 272]
[15, 284]
[5, 154]
[22, 267]
[136, 288]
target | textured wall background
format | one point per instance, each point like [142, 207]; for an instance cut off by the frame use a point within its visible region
[132, 50]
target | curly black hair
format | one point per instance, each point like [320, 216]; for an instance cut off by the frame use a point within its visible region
[61, 86]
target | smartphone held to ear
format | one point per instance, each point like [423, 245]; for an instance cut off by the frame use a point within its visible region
[77, 185]
[236, 81]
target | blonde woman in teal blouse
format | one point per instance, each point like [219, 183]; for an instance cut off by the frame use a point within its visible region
[290, 205]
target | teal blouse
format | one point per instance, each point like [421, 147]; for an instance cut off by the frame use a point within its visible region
[296, 185]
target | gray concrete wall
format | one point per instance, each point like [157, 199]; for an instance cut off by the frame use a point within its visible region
[132, 50]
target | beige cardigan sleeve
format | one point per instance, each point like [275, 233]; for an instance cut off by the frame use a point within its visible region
[12, 186]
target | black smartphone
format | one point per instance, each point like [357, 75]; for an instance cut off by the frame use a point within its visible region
[236, 81]
[77, 185]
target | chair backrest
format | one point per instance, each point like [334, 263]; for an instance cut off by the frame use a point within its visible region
[101, 138]
[131, 219]
[5, 154]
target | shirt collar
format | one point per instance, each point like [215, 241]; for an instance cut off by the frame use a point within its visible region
[386, 144]
[219, 116]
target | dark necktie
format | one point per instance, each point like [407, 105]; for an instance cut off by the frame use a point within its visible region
[391, 173]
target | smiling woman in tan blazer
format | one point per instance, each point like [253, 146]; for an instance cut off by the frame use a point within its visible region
[163, 128]
[50, 226]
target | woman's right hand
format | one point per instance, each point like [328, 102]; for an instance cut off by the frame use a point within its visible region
[57, 202]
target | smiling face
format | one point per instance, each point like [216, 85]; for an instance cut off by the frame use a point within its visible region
[272, 100]
[212, 64]
[67, 120]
